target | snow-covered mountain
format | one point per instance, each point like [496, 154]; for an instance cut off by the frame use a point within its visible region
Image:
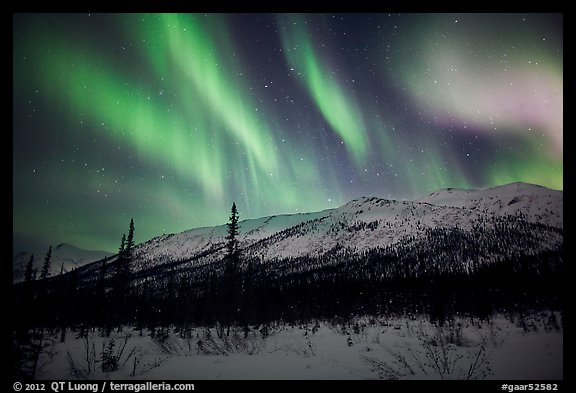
[536, 203]
[64, 256]
[530, 218]
[363, 224]
[370, 255]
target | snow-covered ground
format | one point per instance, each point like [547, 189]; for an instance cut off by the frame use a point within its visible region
[369, 348]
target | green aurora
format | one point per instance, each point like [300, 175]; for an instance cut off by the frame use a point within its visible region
[169, 118]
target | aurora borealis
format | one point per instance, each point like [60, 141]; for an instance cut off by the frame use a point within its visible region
[169, 118]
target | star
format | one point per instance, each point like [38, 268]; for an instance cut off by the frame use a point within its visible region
[170, 118]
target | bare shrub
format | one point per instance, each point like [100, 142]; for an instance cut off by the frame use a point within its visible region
[249, 342]
[110, 357]
[306, 349]
[437, 354]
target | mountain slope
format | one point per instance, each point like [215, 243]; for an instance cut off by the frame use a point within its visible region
[64, 254]
[517, 210]
[361, 225]
[455, 251]
[536, 203]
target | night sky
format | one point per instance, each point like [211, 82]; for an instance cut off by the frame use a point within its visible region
[169, 118]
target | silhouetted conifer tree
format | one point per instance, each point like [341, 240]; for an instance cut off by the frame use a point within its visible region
[46, 267]
[29, 274]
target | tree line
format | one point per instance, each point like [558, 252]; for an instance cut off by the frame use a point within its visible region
[447, 271]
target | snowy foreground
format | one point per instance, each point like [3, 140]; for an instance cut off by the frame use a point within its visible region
[369, 348]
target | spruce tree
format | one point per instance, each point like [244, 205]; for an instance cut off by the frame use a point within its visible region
[122, 248]
[100, 300]
[130, 240]
[121, 262]
[121, 281]
[232, 245]
[29, 278]
[46, 267]
[231, 281]
[28, 275]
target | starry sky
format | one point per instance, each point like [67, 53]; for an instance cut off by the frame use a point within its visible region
[169, 118]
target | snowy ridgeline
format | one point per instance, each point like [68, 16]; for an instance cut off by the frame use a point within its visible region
[366, 348]
[362, 224]
[369, 257]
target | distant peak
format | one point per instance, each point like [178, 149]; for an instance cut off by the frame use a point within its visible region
[519, 184]
[365, 199]
[65, 246]
[449, 190]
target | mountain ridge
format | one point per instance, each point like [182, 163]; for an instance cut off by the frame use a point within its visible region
[388, 222]
[361, 225]
[371, 255]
